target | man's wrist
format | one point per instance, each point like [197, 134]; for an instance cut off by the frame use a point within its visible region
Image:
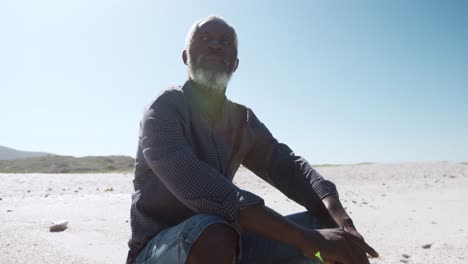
[332, 202]
[307, 240]
[337, 212]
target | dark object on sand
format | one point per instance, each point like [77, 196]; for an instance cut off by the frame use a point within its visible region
[58, 226]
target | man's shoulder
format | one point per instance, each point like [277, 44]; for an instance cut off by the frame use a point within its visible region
[245, 112]
[237, 106]
[172, 96]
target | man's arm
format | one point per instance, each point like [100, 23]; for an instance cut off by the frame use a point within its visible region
[334, 244]
[277, 164]
[293, 176]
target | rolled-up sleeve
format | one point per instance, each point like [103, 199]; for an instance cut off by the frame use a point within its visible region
[277, 164]
[169, 154]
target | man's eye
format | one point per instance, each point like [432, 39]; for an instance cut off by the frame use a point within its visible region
[205, 38]
[227, 42]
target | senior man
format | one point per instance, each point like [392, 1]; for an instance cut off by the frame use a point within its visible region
[185, 208]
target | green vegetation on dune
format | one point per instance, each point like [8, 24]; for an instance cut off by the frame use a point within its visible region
[326, 165]
[68, 164]
[337, 165]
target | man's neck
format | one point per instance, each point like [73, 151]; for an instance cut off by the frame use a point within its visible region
[211, 92]
[208, 101]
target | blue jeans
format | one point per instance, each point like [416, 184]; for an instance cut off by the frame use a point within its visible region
[172, 245]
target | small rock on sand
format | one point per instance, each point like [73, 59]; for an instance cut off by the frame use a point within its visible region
[427, 246]
[109, 189]
[58, 226]
[405, 255]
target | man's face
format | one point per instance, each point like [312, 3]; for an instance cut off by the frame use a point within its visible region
[212, 52]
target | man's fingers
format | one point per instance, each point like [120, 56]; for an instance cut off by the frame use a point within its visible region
[362, 257]
[353, 231]
[355, 256]
[361, 244]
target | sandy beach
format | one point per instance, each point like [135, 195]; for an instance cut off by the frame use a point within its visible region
[409, 212]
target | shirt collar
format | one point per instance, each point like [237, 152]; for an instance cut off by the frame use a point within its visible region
[203, 100]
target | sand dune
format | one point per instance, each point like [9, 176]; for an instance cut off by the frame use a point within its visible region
[409, 212]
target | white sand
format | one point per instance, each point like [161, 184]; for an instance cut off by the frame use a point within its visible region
[397, 207]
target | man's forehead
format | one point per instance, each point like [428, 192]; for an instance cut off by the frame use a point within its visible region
[214, 26]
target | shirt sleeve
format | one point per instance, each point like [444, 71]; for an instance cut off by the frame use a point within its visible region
[277, 164]
[195, 183]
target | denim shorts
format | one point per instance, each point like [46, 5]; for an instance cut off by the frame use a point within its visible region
[172, 245]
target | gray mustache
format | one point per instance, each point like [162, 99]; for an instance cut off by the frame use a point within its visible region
[227, 63]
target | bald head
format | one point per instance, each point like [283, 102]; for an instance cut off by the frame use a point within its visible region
[211, 53]
[198, 23]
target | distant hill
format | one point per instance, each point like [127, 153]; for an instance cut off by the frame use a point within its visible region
[68, 164]
[12, 154]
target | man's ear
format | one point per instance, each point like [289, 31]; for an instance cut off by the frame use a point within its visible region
[236, 64]
[184, 56]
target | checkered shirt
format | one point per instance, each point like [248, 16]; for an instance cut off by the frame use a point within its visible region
[190, 146]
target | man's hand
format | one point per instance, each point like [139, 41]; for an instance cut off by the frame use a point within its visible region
[335, 245]
[343, 220]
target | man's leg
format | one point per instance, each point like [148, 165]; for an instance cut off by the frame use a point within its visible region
[200, 239]
[259, 249]
[217, 244]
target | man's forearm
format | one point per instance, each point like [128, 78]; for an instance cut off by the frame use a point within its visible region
[337, 212]
[265, 221]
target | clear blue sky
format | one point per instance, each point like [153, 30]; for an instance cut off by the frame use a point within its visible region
[338, 81]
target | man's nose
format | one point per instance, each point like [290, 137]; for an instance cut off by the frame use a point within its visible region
[216, 45]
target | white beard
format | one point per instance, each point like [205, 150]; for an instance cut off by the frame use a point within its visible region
[215, 81]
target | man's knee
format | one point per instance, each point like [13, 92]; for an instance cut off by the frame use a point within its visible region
[216, 244]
